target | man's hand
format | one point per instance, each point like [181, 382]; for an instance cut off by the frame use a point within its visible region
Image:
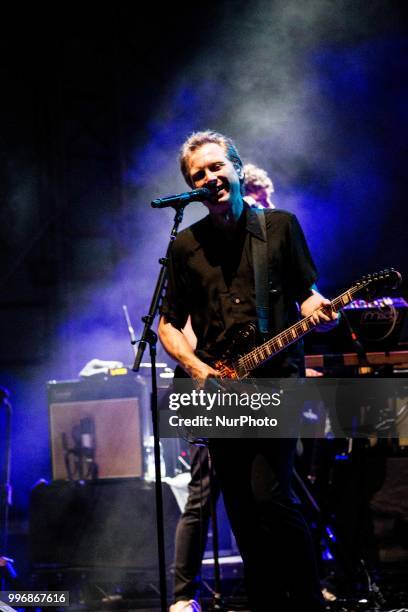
[200, 372]
[318, 308]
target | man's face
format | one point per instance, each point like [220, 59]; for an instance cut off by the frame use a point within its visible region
[210, 166]
[261, 196]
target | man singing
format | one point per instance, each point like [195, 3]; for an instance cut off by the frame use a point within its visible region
[211, 279]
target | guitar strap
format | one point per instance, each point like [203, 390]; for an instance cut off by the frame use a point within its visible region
[259, 248]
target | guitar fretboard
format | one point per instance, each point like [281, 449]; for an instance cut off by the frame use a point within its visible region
[263, 353]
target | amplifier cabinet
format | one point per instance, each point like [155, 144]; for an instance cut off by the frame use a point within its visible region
[97, 428]
[96, 524]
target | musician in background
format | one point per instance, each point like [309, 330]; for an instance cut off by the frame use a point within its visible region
[211, 279]
[258, 187]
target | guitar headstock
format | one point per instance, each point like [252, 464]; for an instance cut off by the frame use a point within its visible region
[378, 281]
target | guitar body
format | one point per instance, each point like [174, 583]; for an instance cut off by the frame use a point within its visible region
[238, 343]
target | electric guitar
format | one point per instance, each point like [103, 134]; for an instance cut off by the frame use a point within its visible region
[236, 363]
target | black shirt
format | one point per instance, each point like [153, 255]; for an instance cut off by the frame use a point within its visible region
[211, 278]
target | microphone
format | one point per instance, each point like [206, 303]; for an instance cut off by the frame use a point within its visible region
[181, 199]
[87, 435]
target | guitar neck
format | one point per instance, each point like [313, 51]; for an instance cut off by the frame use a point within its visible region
[260, 355]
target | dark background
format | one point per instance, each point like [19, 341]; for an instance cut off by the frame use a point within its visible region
[95, 102]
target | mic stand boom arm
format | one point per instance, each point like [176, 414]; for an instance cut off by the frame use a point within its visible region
[150, 337]
[154, 305]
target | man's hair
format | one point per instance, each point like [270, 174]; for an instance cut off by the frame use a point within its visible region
[257, 179]
[197, 140]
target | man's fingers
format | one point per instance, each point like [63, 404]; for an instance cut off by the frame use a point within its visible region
[320, 316]
[214, 374]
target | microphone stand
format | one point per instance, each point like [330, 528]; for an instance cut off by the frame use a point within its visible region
[358, 347]
[375, 595]
[217, 604]
[149, 337]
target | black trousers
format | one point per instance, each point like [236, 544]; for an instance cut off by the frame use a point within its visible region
[192, 528]
[272, 535]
